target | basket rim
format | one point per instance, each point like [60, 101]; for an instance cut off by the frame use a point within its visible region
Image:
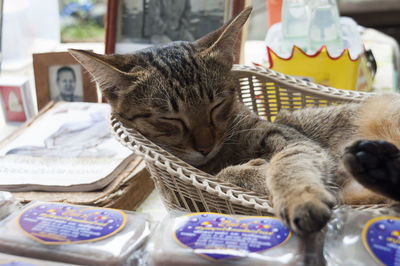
[301, 85]
[201, 180]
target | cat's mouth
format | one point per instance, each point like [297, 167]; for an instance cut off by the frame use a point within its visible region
[196, 158]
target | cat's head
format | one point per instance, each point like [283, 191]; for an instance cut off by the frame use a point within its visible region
[180, 95]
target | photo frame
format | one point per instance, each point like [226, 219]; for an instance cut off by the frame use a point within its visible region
[16, 99]
[59, 77]
[154, 23]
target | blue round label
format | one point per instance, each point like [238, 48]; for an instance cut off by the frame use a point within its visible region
[57, 223]
[381, 237]
[219, 236]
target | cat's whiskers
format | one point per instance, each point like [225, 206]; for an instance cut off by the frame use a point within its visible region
[251, 129]
[236, 122]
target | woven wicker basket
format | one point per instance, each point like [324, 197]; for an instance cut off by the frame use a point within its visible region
[186, 188]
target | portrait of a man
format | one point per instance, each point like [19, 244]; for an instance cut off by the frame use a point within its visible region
[65, 83]
[161, 21]
[59, 77]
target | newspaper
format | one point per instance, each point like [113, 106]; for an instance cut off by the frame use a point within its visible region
[68, 148]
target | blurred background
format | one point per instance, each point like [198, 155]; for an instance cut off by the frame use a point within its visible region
[82, 21]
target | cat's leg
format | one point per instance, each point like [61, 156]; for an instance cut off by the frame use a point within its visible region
[297, 178]
[250, 175]
[376, 165]
[295, 181]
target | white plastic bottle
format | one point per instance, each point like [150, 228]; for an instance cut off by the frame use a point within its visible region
[295, 21]
[324, 27]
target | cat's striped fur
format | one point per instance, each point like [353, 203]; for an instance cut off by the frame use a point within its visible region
[183, 97]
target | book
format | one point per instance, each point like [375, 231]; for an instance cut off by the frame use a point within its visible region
[68, 147]
[126, 191]
[16, 99]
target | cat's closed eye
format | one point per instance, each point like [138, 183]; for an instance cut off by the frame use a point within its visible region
[214, 111]
[219, 112]
[176, 122]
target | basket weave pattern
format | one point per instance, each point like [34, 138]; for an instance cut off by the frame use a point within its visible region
[183, 187]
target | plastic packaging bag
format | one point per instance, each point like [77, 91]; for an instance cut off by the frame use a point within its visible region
[363, 237]
[11, 260]
[8, 204]
[75, 234]
[218, 239]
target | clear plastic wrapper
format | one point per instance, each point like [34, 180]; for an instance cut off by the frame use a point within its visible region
[363, 237]
[11, 260]
[8, 204]
[75, 234]
[218, 239]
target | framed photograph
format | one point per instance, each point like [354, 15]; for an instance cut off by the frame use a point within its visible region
[16, 99]
[162, 21]
[59, 77]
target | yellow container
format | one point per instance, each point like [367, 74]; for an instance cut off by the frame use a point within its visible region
[340, 72]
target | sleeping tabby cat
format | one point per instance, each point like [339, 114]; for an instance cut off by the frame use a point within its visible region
[183, 97]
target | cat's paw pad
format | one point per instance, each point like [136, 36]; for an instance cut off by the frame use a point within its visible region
[306, 213]
[376, 165]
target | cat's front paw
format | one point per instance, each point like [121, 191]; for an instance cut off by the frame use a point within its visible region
[305, 211]
[251, 175]
[376, 165]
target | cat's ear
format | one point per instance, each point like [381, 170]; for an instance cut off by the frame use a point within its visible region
[221, 43]
[106, 70]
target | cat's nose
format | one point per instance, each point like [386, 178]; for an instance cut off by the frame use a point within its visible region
[204, 140]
